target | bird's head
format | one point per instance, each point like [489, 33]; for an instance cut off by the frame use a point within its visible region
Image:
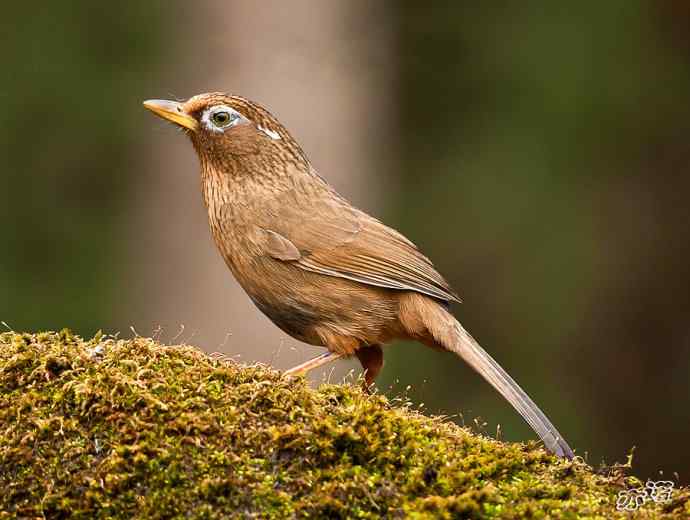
[229, 129]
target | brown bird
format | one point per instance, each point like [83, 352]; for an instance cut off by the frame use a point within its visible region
[322, 270]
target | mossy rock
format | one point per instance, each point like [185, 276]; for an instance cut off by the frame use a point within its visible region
[111, 428]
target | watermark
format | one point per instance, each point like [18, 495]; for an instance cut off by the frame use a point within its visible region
[659, 491]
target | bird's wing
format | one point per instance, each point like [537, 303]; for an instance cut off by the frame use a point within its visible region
[333, 238]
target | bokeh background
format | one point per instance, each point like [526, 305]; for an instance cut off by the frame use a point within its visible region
[537, 153]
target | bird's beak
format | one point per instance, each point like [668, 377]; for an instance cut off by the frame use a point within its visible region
[172, 111]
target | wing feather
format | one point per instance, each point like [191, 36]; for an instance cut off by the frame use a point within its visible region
[336, 239]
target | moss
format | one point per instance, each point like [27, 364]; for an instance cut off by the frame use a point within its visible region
[120, 428]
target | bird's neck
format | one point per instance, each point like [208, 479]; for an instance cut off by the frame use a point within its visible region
[238, 187]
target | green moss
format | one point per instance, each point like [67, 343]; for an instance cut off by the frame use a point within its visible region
[120, 428]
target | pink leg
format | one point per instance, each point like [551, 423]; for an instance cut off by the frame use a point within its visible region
[312, 364]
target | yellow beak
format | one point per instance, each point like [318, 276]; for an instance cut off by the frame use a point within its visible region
[172, 111]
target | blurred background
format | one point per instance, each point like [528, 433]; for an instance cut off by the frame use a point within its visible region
[539, 155]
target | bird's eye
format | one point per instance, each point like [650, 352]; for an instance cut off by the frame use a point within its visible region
[221, 118]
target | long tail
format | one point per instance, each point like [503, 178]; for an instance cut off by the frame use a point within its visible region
[449, 334]
[468, 349]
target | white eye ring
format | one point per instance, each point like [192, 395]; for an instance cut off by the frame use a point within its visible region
[220, 117]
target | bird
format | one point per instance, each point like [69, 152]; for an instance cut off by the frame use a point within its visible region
[322, 270]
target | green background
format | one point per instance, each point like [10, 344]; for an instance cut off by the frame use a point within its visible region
[543, 166]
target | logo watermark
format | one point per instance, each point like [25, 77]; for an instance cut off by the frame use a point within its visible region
[659, 491]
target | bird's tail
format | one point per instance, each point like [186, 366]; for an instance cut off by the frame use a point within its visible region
[449, 334]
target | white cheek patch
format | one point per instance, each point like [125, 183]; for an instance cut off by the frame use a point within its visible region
[270, 133]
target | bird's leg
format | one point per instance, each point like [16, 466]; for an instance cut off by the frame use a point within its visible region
[312, 364]
[371, 358]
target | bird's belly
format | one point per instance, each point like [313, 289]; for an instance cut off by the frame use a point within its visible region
[309, 306]
[298, 320]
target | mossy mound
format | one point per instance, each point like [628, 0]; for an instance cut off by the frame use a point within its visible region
[130, 428]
